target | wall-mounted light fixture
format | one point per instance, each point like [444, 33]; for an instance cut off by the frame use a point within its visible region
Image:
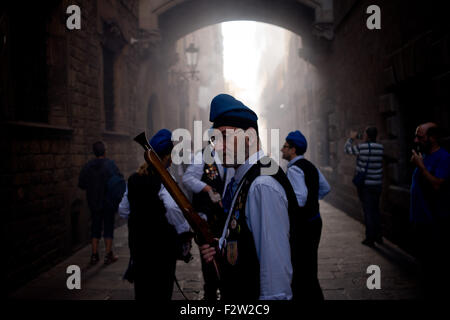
[192, 60]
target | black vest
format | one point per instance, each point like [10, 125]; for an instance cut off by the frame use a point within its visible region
[311, 208]
[147, 223]
[240, 269]
[202, 202]
[304, 281]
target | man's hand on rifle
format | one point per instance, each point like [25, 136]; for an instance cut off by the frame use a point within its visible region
[213, 195]
[207, 252]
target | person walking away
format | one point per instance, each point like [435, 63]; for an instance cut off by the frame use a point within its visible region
[94, 178]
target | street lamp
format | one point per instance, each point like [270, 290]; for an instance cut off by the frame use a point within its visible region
[192, 60]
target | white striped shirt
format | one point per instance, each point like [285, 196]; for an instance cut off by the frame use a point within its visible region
[372, 159]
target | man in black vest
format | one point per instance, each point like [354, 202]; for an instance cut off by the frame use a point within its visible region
[207, 178]
[255, 254]
[309, 186]
[157, 229]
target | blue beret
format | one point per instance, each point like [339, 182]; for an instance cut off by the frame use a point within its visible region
[227, 111]
[298, 139]
[161, 141]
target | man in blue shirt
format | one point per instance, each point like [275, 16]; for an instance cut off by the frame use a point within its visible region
[309, 186]
[430, 209]
[255, 255]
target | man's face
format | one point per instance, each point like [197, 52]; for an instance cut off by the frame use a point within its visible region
[234, 145]
[365, 136]
[287, 152]
[421, 140]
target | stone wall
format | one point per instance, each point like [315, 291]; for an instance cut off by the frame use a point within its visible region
[208, 81]
[393, 78]
[46, 213]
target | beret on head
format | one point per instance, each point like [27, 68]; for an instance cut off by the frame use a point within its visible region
[299, 140]
[161, 141]
[227, 111]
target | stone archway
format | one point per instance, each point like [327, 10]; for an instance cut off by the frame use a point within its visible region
[166, 21]
[176, 18]
[173, 19]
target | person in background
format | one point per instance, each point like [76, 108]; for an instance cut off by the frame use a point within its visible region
[157, 230]
[94, 178]
[369, 165]
[309, 186]
[207, 183]
[430, 209]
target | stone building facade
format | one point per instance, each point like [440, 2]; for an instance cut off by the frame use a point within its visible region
[61, 91]
[207, 81]
[394, 78]
[64, 90]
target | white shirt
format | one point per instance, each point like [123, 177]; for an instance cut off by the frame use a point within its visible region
[192, 178]
[173, 213]
[297, 178]
[193, 175]
[124, 205]
[267, 218]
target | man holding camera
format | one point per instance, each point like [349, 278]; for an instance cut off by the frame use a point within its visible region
[369, 180]
[430, 211]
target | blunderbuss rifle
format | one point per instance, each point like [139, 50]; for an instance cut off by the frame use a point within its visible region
[198, 225]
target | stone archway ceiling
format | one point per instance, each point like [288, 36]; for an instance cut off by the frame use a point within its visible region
[177, 18]
[324, 17]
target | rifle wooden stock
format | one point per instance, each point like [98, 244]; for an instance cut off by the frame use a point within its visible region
[199, 225]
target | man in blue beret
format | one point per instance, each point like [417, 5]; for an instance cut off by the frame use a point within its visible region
[157, 229]
[254, 250]
[161, 142]
[309, 186]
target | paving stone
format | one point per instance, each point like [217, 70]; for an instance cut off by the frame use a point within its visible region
[342, 266]
[335, 294]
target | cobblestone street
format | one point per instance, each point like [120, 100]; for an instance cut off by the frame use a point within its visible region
[343, 262]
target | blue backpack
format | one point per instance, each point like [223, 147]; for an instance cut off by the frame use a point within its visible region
[115, 188]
